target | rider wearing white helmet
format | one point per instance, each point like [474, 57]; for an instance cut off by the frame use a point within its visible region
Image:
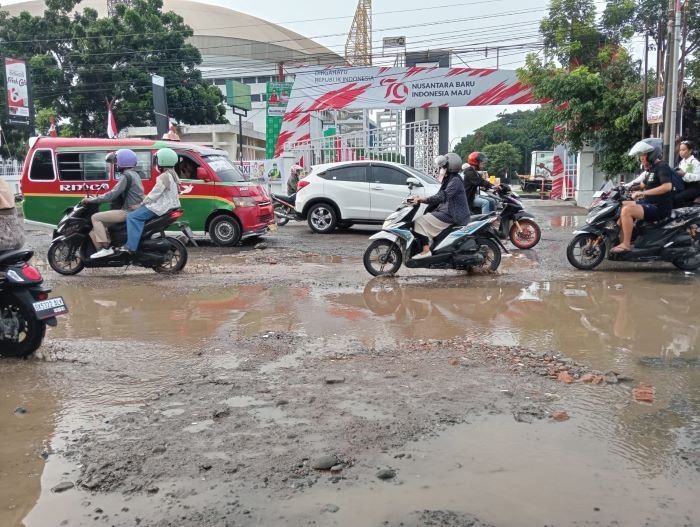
[656, 200]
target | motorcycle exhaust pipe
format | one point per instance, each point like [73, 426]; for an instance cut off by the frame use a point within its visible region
[281, 214]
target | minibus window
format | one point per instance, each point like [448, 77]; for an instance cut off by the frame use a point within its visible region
[226, 170]
[83, 166]
[42, 166]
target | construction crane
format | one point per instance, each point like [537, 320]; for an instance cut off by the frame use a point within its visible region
[358, 48]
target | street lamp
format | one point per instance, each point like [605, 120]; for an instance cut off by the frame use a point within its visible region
[459, 138]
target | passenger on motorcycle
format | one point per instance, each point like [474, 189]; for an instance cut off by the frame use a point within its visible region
[447, 207]
[473, 181]
[656, 199]
[125, 196]
[689, 170]
[11, 225]
[162, 198]
[293, 180]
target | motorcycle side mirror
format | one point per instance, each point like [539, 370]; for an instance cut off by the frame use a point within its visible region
[413, 183]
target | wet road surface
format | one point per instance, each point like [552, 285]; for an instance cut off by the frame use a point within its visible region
[132, 337]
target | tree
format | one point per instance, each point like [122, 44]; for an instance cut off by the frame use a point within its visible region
[524, 130]
[89, 60]
[595, 99]
[503, 158]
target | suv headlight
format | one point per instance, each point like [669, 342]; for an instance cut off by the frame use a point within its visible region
[244, 202]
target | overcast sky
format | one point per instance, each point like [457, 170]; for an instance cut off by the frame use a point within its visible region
[426, 24]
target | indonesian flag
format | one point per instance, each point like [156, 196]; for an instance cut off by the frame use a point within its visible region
[111, 123]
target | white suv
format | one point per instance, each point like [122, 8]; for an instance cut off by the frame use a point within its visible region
[340, 194]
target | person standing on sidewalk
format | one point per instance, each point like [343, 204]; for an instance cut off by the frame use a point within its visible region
[126, 195]
[689, 170]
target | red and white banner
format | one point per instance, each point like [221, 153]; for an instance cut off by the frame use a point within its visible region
[112, 131]
[17, 82]
[558, 173]
[394, 88]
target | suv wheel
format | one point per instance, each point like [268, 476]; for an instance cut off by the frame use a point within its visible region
[322, 218]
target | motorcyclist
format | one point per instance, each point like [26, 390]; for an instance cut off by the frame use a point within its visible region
[293, 180]
[689, 170]
[125, 196]
[656, 198]
[473, 181]
[447, 207]
[163, 197]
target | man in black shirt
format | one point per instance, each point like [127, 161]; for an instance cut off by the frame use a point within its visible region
[472, 182]
[656, 197]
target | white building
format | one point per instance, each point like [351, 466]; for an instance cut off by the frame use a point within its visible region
[233, 45]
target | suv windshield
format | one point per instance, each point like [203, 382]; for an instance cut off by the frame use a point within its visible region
[225, 169]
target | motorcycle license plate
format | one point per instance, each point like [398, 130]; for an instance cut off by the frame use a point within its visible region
[50, 308]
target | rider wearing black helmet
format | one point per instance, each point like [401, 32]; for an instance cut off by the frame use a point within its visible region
[656, 200]
[448, 206]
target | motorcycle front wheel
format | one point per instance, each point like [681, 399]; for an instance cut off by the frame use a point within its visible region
[527, 236]
[21, 333]
[382, 257]
[491, 253]
[586, 251]
[64, 258]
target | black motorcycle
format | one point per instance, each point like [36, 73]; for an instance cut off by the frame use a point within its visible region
[284, 208]
[674, 239]
[25, 306]
[72, 246]
[516, 224]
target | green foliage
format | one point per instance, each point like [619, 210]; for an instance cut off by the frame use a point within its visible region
[596, 100]
[524, 130]
[78, 61]
[503, 158]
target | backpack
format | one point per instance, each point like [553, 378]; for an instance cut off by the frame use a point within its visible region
[677, 182]
[118, 203]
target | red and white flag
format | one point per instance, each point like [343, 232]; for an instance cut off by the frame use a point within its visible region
[111, 123]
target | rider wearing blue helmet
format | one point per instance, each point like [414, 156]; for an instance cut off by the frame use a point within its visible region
[126, 195]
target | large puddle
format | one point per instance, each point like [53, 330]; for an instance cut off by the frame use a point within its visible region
[643, 324]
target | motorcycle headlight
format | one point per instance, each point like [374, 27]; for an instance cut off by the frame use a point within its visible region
[244, 202]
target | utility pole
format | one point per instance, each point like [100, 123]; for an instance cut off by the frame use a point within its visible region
[671, 81]
[646, 80]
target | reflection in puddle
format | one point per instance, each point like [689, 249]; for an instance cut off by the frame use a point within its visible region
[486, 469]
[567, 222]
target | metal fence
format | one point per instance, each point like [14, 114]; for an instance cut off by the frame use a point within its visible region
[11, 171]
[414, 144]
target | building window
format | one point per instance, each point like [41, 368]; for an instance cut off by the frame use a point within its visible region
[249, 80]
[220, 82]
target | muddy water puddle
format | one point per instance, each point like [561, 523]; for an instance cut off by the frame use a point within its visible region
[643, 324]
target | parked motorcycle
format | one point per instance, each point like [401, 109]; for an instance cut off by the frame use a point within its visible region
[674, 239]
[516, 224]
[25, 306]
[472, 247]
[284, 208]
[72, 246]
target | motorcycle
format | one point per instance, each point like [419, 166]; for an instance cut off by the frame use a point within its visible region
[674, 239]
[472, 247]
[25, 306]
[516, 224]
[70, 250]
[284, 208]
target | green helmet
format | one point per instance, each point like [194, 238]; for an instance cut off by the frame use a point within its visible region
[166, 158]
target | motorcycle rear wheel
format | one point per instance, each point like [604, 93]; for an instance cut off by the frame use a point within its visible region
[382, 257]
[281, 221]
[176, 258]
[30, 330]
[527, 237]
[590, 255]
[492, 255]
[59, 257]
